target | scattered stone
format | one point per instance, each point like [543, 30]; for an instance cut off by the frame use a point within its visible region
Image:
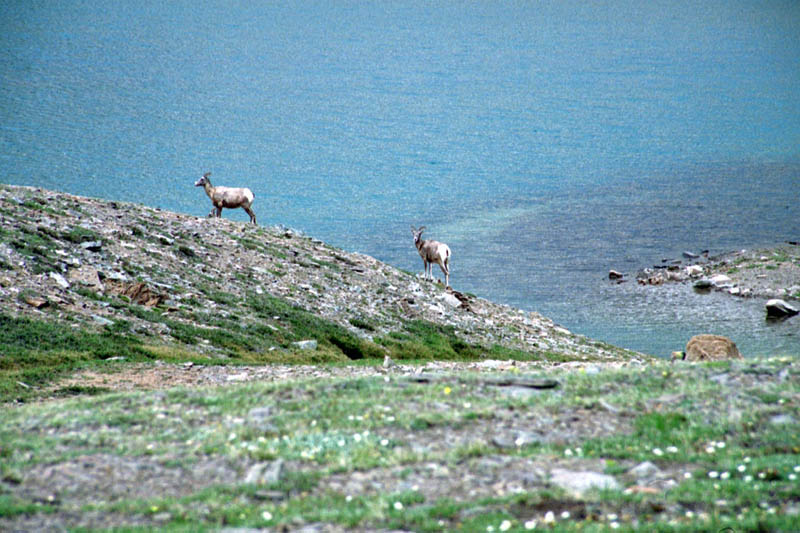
[36, 301]
[92, 246]
[86, 276]
[269, 473]
[703, 284]
[708, 348]
[60, 280]
[163, 239]
[690, 255]
[451, 300]
[644, 470]
[777, 308]
[578, 483]
[102, 320]
[305, 345]
[719, 279]
[613, 274]
[141, 294]
[782, 420]
[694, 271]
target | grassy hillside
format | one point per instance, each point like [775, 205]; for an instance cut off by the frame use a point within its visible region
[160, 372]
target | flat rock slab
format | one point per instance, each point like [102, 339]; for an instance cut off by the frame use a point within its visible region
[578, 483]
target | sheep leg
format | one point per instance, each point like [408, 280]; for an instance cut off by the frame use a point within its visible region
[250, 212]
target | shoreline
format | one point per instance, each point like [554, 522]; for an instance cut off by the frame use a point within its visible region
[771, 272]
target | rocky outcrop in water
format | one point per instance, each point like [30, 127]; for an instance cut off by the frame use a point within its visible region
[767, 273]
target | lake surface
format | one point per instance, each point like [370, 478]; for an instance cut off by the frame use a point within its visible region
[545, 142]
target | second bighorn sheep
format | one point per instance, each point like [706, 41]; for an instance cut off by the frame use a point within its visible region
[228, 197]
[432, 252]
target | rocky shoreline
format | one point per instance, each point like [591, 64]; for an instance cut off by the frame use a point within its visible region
[97, 264]
[765, 273]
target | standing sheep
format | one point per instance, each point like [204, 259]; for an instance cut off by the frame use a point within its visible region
[229, 197]
[432, 252]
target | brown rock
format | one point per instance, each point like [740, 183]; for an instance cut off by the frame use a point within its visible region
[708, 348]
[140, 293]
[36, 301]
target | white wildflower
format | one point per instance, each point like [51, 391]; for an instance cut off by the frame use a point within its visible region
[398, 506]
[713, 474]
[658, 451]
[505, 525]
[672, 449]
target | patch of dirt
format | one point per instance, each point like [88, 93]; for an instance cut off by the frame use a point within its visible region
[160, 375]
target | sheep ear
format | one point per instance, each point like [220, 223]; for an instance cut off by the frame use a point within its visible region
[421, 228]
[413, 228]
[207, 174]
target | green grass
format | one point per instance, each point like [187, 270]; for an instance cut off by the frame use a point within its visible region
[731, 467]
[40, 352]
[36, 353]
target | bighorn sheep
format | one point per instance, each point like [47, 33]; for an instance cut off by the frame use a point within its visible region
[432, 252]
[230, 197]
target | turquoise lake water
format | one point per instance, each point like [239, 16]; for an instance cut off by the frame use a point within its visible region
[545, 142]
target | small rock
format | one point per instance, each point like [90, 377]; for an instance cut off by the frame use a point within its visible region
[690, 255]
[87, 276]
[62, 282]
[103, 321]
[266, 473]
[166, 241]
[694, 270]
[36, 301]
[305, 345]
[777, 308]
[703, 284]
[451, 300]
[260, 413]
[388, 362]
[720, 279]
[782, 420]
[613, 274]
[578, 483]
[92, 246]
[644, 470]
